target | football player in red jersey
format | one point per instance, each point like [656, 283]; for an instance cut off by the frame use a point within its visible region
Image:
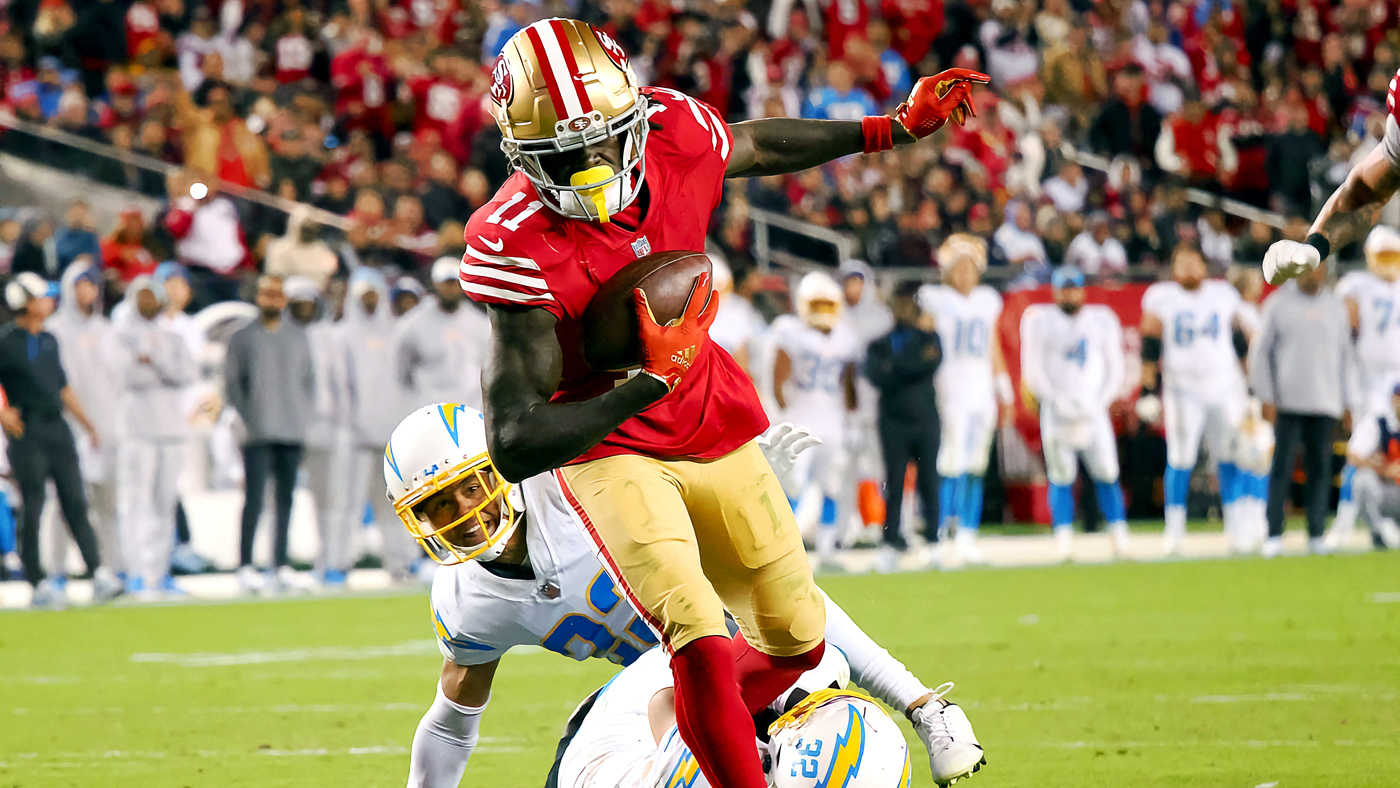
[660, 466]
[1352, 209]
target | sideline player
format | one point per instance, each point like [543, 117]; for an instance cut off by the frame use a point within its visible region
[1371, 297]
[518, 570]
[1191, 335]
[660, 466]
[1072, 362]
[971, 382]
[1254, 443]
[1353, 208]
[814, 384]
[624, 736]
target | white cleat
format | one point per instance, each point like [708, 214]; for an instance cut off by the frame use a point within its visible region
[887, 560]
[49, 595]
[288, 580]
[968, 551]
[1318, 546]
[1064, 542]
[1389, 533]
[250, 580]
[1119, 532]
[1273, 547]
[106, 586]
[953, 751]
[1171, 543]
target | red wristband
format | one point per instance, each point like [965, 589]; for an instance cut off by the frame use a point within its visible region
[878, 131]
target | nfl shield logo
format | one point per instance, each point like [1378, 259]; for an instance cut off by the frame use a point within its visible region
[641, 247]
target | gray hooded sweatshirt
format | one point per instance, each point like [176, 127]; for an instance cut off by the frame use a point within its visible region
[153, 366]
[329, 407]
[440, 354]
[83, 342]
[373, 395]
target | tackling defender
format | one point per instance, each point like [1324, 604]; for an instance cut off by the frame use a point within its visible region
[1371, 297]
[1072, 362]
[660, 467]
[971, 382]
[1190, 330]
[623, 735]
[814, 383]
[519, 571]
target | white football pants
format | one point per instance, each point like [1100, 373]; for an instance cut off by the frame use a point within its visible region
[366, 478]
[1091, 438]
[1190, 415]
[327, 477]
[148, 475]
[965, 439]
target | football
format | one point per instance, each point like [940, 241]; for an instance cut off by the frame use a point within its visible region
[611, 341]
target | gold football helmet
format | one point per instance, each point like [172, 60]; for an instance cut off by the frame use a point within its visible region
[1382, 250]
[559, 86]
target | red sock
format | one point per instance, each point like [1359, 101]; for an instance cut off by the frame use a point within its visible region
[762, 678]
[711, 716]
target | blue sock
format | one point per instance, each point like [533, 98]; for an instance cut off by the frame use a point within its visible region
[1259, 486]
[7, 526]
[1110, 497]
[1061, 498]
[972, 502]
[1176, 482]
[1228, 475]
[828, 512]
[950, 498]
[1348, 473]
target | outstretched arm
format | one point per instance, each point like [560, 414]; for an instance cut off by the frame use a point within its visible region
[773, 146]
[449, 730]
[1349, 214]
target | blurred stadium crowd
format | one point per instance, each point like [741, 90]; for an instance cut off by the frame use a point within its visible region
[365, 122]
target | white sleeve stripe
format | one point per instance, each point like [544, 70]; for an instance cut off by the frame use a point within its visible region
[487, 272]
[723, 135]
[513, 262]
[694, 108]
[504, 295]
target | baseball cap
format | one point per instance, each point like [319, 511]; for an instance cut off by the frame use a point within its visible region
[446, 269]
[300, 288]
[1066, 276]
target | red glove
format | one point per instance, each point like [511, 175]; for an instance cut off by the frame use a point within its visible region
[669, 350]
[935, 99]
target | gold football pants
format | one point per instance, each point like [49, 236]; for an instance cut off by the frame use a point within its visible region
[686, 539]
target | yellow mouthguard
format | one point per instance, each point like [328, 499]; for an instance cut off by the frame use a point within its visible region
[591, 176]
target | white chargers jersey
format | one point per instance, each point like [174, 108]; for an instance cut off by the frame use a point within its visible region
[1198, 349]
[1073, 364]
[571, 606]
[611, 745]
[1378, 335]
[816, 396]
[966, 326]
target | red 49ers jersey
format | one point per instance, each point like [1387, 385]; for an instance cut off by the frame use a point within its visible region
[520, 253]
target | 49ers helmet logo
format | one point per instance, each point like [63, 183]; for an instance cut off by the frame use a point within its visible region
[502, 86]
[580, 123]
[614, 50]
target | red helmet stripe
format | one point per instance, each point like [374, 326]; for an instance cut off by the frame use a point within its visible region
[542, 61]
[576, 79]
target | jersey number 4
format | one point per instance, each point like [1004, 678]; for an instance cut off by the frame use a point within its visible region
[1078, 353]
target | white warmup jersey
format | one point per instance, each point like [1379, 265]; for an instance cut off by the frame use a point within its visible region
[613, 747]
[571, 607]
[815, 393]
[966, 326]
[1203, 389]
[1377, 336]
[1074, 365]
[967, 403]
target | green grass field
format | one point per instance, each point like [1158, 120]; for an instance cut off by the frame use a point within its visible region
[1216, 673]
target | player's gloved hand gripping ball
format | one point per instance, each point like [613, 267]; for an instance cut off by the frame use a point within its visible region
[934, 100]
[668, 351]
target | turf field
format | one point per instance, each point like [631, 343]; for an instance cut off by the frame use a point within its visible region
[1211, 673]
